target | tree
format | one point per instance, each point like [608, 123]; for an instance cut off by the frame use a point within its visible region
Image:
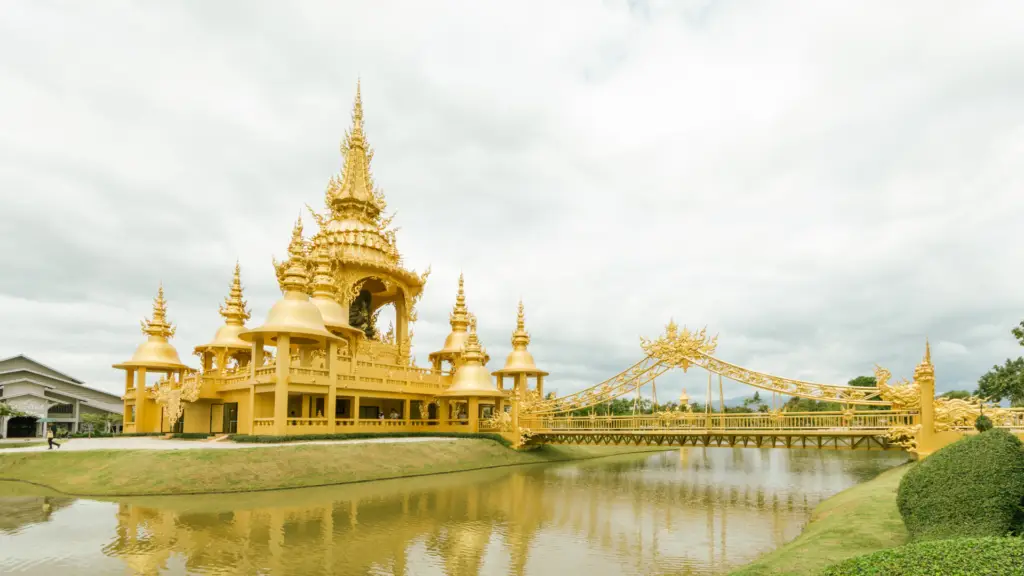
[1018, 332]
[864, 382]
[956, 395]
[1004, 382]
[99, 422]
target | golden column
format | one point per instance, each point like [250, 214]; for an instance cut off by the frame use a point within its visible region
[924, 375]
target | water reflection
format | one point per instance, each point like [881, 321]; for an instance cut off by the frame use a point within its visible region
[697, 511]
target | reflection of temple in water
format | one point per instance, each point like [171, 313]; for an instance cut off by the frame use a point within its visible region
[631, 515]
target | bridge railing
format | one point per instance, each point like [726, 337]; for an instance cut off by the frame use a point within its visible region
[787, 421]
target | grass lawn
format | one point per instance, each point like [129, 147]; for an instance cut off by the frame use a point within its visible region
[860, 520]
[15, 445]
[157, 472]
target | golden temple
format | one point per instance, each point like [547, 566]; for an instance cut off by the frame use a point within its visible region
[330, 370]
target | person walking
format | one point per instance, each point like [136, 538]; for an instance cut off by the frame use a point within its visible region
[49, 438]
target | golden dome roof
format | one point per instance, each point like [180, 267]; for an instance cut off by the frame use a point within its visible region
[156, 351]
[457, 340]
[294, 315]
[519, 360]
[235, 314]
[471, 377]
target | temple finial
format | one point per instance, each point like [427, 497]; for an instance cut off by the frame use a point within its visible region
[158, 325]
[927, 351]
[234, 308]
[353, 194]
[520, 319]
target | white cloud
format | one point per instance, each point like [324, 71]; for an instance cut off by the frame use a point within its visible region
[823, 185]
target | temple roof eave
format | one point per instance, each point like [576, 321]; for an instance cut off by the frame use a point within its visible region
[513, 371]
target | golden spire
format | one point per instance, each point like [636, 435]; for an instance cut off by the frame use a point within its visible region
[158, 326]
[459, 316]
[294, 276]
[233, 310]
[473, 350]
[354, 194]
[323, 281]
[925, 370]
[520, 338]
[519, 359]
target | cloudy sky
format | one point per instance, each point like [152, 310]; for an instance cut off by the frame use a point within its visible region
[824, 185]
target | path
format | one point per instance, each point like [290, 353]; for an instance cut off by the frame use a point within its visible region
[150, 443]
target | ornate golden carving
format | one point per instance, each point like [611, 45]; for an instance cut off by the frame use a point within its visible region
[166, 393]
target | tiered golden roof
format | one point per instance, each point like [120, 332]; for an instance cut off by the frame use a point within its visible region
[294, 314]
[235, 314]
[925, 370]
[354, 231]
[519, 360]
[156, 351]
[472, 379]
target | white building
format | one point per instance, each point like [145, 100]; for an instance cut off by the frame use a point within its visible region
[42, 392]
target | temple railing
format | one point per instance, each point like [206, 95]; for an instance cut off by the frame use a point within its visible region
[874, 420]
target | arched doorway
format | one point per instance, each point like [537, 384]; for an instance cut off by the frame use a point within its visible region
[22, 427]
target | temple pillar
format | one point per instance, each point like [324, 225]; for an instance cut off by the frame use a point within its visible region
[355, 405]
[443, 413]
[401, 324]
[284, 358]
[330, 411]
[140, 400]
[540, 386]
[208, 362]
[473, 411]
[406, 414]
[257, 354]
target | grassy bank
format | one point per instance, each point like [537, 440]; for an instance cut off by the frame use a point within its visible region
[106, 473]
[860, 520]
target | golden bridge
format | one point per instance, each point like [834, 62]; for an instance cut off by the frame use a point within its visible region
[905, 416]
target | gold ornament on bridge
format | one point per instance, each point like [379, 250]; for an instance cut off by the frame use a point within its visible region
[678, 348]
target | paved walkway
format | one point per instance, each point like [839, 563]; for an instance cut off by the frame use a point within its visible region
[150, 443]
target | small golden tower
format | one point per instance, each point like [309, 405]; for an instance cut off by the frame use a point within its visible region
[684, 400]
[471, 382]
[519, 364]
[226, 344]
[460, 319]
[156, 354]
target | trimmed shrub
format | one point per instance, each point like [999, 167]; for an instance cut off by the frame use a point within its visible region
[983, 423]
[973, 487]
[962, 557]
[191, 435]
[360, 435]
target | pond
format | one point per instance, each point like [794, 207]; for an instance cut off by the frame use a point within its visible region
[688, 511]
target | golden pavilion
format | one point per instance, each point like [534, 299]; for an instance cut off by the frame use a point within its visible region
[318, 364]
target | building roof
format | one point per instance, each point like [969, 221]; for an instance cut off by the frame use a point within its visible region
[60, 375]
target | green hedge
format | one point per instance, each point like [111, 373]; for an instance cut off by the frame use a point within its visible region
[191, 435]
[973, 487]
[359, 435]
[963, 557]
